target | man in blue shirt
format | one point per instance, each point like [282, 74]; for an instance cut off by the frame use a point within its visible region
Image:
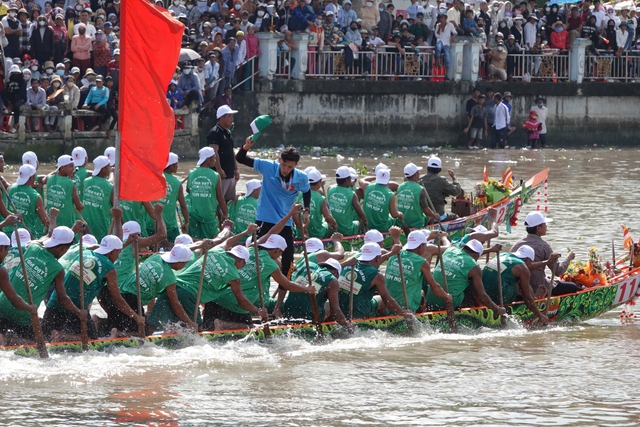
[189, 85]
[281, 182]
[97, 101]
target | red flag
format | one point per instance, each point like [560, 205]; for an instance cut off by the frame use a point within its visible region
[150, 41]
[507, 178]
[628, 241]
[485, 175]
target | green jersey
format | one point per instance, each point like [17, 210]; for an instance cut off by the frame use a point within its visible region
[155, 276]
[60, 196]
[42, 269]
[134, 211]
[243, 212]
[202, 184]
[457, 265]
[25, 198]
[409, 204]
[169, 202]
[297, 305]
[79, 176]
[219, 270]
[67, 259]
[249, 282]
[340, 201]
[95, 267]
[412, 269]
[97, 205]
[317, 225]
[377, 198]
[364, 305]
[509, 281]
[125, 264]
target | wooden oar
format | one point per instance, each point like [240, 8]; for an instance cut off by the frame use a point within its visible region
[404, 285]
[613, 254]
[265, 328]
[550, 288]
[351, 280]
[451, 315]
[199, 295]
[503, 319]
[312, 297]
[434, 210]
[84, 336]
[136, 255]
[35, 320]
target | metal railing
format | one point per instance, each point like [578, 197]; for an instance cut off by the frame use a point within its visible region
[609, 68]
[550, 65]
[284, 65]
[246, 74]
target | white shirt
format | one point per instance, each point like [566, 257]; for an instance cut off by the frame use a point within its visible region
[429, 16]
[414, 9]
[445, 36]
[530, 31]
[201, 77]
[502, 118]
[377, 41]
[542, 113]
[600, 18]
[210, 70]
[242, 53]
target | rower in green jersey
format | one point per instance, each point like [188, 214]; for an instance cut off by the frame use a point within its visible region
[175, 194]
[28, 202]
[62, 193]
[98, 198]
[344, 205]
[89, 243]
[369, 287]
[12, 259]
[320, 218]
[479, 233]
[205, 190]
[99, 273]
[80, 160]
[242, 211]
[30, 158]
[380, 203]
[4, 203]
[412, 199]
[514, 276]
[462, 269]
[43, 270]
[138, 212]
[416, 270]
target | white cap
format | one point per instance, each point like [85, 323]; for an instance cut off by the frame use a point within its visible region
[535, 219]
[249, 241]
[333, 264]
[15, 68]
[475, 246]
[415, 239]
[59, 236]
[343, 172]
[370, 251]
[314, 245]
[99, 163]
[173, 159]
[108, 244]
[30, 158]
[275, 241]
[24, 173]
[380, 166]
[65, 160]
[89, 239]
[79, 155]
[329, 13]
[411, 169]
[383, 176]
[24, 235]
[525, 251]
[373, 236]
[225, 109]
[252, 185]
[205, 153]
[110, 153]
[354, 173]
[434, 162]
[480, 228]
[240, 252]
[183, 239]
[75, 70]
[4, 239]
[129, 228]
[179, 253]
[315, 176]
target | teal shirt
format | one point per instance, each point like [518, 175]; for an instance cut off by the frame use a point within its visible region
[457, 265]
[413, 277]
[297, 305]
[377, 198]
[364, 305]
[509, 281]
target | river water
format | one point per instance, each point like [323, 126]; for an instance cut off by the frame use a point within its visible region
[571, 375]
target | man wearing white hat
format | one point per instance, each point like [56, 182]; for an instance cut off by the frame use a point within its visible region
[242, 211]
[205, 193]
[439, 188]
[98, 198]
[13, 257]
[80, 160]
[219, 138]
[320, 218]
[30, 158]
[28, 202]
[380, 204]
[89, 242]
[514, 275]
[412, 199]
[417, 273]
[462, 270]
[344, 204]
[369, 287]
[536, 225]
[110, 153]
[43, 270]
[175, 194]
[62, 193]
[99, 273]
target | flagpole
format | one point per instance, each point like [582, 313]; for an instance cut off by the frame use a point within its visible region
[116, 174]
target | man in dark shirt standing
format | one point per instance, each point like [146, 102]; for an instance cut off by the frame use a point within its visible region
[219, 138]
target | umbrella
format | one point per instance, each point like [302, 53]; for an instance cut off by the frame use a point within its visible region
[188, 55]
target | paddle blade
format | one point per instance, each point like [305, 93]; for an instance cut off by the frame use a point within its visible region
[37, 331]
[451, 317]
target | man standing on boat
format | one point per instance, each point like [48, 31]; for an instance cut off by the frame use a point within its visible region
[219, 138]
[439, 188]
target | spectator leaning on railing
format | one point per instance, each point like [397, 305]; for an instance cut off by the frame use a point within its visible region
[71, 93]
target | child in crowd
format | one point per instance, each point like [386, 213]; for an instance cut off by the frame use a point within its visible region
[174, 96]
[532, 127]
[470, 24]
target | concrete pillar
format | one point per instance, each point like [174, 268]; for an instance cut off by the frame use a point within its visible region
[301, 56]
[67, 124]
[457, 59]
[471, 59]
[22, 128]
[577, 59]
[269, 58]
[192, 119]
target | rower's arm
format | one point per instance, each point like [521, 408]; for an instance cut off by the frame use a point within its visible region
[476, 281]
[238, 238]
[161, 232]
[389, 302]
[393, 208]
[149, 208]
[521, 272]
[63, 298]
[243, 302]
[276, 229]
[183, 208]
[435, 286]
[112, 285]
[3, 208]
[338, 254]
[424, 204]
[116, 215]
[177, 307]
[9, 221]
[7, 288]
[221, 203]
[289, 285]
[356, 205]
[76, 199]
[326, 213]
[42, 213]
[484, 236]
[395, 250]
[333, 291]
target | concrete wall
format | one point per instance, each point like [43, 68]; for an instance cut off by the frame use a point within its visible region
[403, 113]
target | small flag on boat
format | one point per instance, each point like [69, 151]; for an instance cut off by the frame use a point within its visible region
[626, 234]
[507, 178]
[485, 175]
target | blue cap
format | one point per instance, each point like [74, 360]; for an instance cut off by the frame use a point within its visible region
[107, 25]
